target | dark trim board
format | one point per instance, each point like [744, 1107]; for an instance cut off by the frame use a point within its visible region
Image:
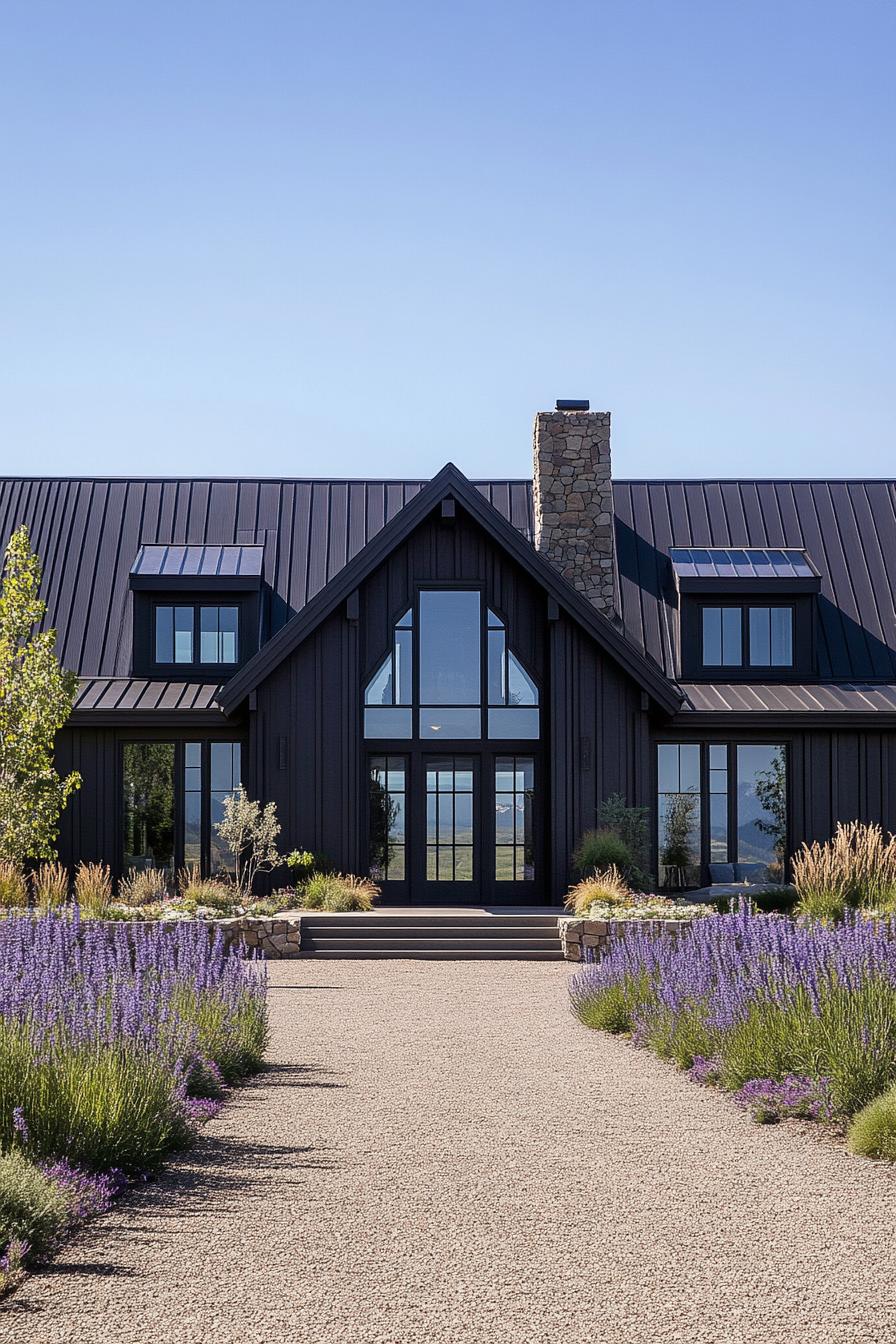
[451, 482]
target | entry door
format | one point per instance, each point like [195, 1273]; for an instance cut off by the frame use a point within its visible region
[449, 862]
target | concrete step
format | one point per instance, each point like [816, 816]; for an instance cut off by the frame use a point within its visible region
[431, 921]
[329, 944]
[435, 954]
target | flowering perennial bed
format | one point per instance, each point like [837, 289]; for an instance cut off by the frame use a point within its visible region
[115, 1044]
[794, 1017]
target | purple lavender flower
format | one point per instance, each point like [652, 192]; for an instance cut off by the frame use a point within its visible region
[770, 1099]
[704, 1070]
[19, 1124]
[87, 1195]
[199, 1109]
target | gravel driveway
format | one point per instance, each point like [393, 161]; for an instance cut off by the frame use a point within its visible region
[440, 1153]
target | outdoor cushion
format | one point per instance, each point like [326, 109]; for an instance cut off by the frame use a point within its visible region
[721, 872]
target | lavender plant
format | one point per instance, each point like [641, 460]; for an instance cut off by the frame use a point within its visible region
[105, 1028]
[747, 997]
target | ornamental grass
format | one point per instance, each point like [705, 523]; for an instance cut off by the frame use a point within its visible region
[747, 997]
[855, 868]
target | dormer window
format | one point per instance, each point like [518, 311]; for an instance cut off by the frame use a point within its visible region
[747, 636]
[746, 613]
[196, 633]
[197, 609]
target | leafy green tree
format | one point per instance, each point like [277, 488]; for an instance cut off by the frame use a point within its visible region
[36, 698]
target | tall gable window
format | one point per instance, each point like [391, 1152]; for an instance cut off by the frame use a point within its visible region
[390, 688]
[469, 683]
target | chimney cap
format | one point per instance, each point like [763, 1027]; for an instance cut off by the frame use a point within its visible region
[567, 405]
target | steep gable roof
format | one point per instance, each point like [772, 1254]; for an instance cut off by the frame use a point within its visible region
[450, 482]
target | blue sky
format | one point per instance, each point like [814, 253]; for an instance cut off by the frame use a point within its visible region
[358, 239]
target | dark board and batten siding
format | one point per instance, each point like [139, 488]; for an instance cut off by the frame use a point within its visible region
[306, 731]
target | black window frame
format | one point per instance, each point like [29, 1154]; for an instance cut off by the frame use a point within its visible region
[802, 639]
[484, 705]
[196, 605]
[179, 742]
[730, 742]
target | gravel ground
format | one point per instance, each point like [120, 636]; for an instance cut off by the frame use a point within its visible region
[440, 1153]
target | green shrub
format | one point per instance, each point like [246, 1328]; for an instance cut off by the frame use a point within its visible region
[213, 893]
[600, 850]
[338, 892]
[268, 906]
[603, 888]
[50, 886]
[872, 1132]
[93, 889]
[13, 888]
[33, 1208]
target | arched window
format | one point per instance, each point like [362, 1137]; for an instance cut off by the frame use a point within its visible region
[460, 694]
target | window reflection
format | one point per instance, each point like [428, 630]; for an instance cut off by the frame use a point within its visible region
[450, 826]
[449, 648]
[388, 795]
[678, 774]
[514, 828]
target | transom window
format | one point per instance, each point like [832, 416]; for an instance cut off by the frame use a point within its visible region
[195, 633]
[747, 636]
[469, 684]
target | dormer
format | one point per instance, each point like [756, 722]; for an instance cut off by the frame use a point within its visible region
[746, 614]
[197, 610]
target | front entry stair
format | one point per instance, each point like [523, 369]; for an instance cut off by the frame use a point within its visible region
[429, 936]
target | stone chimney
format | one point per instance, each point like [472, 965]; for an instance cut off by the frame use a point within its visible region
[574, 499]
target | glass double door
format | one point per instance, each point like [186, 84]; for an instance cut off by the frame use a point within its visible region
[456, 828]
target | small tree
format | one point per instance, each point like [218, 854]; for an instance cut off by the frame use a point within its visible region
[36, 698]
[250, 832]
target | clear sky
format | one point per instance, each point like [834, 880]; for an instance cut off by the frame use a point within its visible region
[362, 239]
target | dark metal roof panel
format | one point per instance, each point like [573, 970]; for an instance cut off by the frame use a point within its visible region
[88, 533]
[301, 532]
[202, 562]
[777, 698]
[846, 530]
[122, 695]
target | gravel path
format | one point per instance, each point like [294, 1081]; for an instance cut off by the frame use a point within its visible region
[440, 1153]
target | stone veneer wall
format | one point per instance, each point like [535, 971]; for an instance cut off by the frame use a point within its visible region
[588, 939]
[573, 497]
[278, 939]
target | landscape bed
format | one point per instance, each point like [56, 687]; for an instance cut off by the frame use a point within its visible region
[793, 1017]
[116, 1043]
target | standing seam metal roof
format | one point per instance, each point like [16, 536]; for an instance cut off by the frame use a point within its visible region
[88, 534]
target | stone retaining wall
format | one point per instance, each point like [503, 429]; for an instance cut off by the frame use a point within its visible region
[278, 939]
[588, 939]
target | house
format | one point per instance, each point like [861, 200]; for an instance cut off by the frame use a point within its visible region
[441, 681]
